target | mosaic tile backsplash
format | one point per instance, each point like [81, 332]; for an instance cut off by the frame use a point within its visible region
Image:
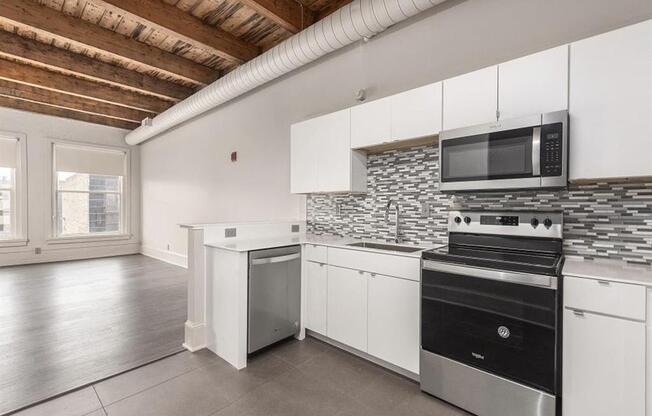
[601, 220]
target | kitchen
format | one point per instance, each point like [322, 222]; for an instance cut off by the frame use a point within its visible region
[522, 207]
[472, 233]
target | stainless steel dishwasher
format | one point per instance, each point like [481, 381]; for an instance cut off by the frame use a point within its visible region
[274, 295]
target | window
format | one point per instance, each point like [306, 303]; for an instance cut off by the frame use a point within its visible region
[89, 190]
[10, 164]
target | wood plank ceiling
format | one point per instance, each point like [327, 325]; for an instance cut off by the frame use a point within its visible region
[116, 62]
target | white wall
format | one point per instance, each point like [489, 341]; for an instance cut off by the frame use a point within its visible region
[39, 130]
[186, 173]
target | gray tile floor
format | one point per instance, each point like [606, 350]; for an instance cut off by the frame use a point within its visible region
[293, 378]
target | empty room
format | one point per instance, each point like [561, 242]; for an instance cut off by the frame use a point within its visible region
[325, 208]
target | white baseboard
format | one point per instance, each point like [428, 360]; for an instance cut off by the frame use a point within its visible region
[166, 256]
[48, 254]
[195, 336]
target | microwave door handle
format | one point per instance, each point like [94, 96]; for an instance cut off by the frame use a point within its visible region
[536, 151]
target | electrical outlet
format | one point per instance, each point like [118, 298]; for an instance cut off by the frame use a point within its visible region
[230, 232]
[295, 228]
[37, 250]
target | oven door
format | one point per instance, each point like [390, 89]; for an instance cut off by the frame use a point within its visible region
[505, 328]
[494, 156]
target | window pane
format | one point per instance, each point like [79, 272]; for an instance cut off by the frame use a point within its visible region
[6, 229]
[70, 181]
[6, 178]
[7, 226]
[88, 213]
[104, 214]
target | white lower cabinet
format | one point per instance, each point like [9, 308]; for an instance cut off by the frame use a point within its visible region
[393, 327]
[316, 293]
[603, 365]
[351, 302]
[347, 307]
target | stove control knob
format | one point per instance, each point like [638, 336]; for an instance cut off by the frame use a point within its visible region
[458, 220]
[467, 220]
[534, 222]
[547, 222]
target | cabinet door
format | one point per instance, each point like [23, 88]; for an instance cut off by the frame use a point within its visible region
[416, 113]
[603, 366]
[611, 104]
[534, 84]
[303, 171]
[371, 123]
[333, 154]
[316, 294]
[394, 321]
[347, 307]
[471, 98]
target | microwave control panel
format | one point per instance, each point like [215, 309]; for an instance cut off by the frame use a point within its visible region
[551, 149]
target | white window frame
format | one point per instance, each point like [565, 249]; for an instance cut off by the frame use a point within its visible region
[20, 192]
[125, 201]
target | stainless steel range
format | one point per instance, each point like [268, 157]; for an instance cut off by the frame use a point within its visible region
[490, 314]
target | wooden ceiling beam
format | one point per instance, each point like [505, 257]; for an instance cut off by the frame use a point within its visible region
[34, 107]
[71, 102]
[43, 20]
[289, 14]
[188, 28]
[331, 8]
[42, 78]
[32, 51]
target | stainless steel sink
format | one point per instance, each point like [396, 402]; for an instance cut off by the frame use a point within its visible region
[388, 247]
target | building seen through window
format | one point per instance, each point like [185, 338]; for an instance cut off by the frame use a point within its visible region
[88, 203]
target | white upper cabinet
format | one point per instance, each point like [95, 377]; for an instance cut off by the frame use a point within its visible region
[611, 104]
[334, 151]
[471, 98]
[534, 84]
[416, 113]
[409, 115]
[371, 123]
[321, 159]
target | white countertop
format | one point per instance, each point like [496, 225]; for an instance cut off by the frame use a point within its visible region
[612, 270]
[288, 240]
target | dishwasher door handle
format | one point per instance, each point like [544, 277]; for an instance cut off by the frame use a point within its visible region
[277, 259]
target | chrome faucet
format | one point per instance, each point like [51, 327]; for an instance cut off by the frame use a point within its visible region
[397, 239]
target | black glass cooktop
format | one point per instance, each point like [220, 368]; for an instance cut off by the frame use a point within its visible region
[495, 258]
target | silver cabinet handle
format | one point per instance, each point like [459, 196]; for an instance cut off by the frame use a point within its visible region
[604, 282]
[277, 259]
[578, 313]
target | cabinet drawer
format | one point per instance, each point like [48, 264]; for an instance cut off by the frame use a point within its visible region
[314, 252]
[611, 298]
[387, 264]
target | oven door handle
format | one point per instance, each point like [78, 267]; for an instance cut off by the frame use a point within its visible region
[512, 277]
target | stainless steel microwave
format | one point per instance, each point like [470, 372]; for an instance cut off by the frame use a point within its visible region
[524, 153]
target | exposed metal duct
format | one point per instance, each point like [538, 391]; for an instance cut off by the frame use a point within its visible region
[351, 23]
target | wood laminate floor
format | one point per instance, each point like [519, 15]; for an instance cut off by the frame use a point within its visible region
[69, 324]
